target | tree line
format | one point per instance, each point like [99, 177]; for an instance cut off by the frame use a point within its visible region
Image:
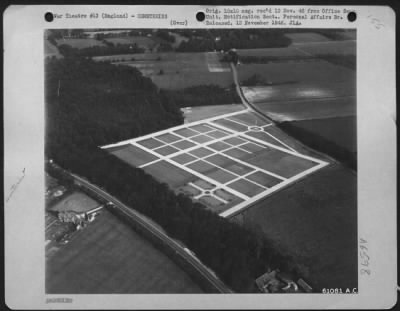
[225, 39]
[108, 49]
[89, 104]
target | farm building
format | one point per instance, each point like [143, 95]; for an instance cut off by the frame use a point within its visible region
[276, 282]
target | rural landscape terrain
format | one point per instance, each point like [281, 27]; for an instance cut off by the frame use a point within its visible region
[200, 161]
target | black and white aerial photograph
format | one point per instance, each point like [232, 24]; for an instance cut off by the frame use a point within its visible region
[196, 161]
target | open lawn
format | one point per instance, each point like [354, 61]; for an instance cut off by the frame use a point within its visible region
[263, 179]
[109, 257]
[192, 114]
[169, 174]
[264, 137]
[315, 221]
[246, 187]
[250, 119]
[77, 202]
[281, 163]
[132, 154]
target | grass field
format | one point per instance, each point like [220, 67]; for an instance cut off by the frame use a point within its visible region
[108, 257]
[175, 70]
[77, 202]
[315, 221]
[80, 43]
[192, 114]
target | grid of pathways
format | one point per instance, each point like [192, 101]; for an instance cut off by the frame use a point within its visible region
[226, 162]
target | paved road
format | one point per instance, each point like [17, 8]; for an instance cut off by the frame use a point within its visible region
[244, 100]
[142, 221]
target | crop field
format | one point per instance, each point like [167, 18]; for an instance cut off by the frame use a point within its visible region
[80, 43]
[77, 202]
[319, 230]
[178, 70]
[306, 37]
[109, 257]
[290, 90]
[329, 47]
[226, 162]
[293, 73]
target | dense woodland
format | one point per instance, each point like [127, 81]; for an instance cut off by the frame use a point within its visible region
[89, 104]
